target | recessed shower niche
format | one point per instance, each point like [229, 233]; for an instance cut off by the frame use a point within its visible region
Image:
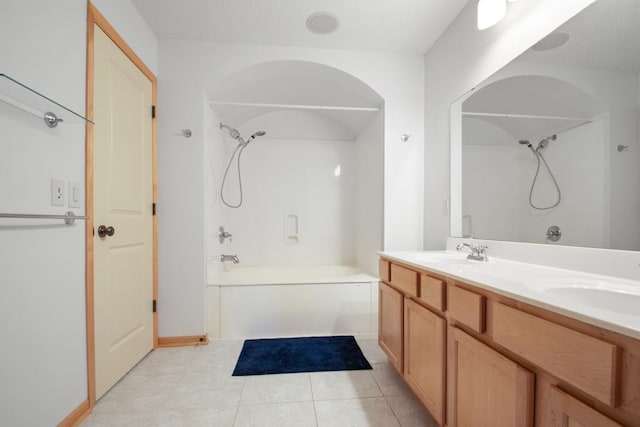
[311, 187]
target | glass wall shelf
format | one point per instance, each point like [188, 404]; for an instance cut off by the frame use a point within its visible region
[14, 93]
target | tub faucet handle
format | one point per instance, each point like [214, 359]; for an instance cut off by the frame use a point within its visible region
[223, 235]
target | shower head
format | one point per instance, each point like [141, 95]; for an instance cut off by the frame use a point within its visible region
[524, 142]
[233, 133]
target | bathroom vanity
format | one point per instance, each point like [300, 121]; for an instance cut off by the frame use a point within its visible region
[487, 343]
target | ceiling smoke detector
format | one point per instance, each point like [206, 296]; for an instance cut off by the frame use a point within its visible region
[552, 41]
[322, 23]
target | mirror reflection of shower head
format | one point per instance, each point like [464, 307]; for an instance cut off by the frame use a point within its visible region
[545, 142]
[528, 144]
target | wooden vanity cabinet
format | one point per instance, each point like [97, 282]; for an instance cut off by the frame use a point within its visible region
[477, 358]
[391, 324]
[424, 356]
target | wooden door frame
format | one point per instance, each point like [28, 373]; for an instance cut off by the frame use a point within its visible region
[95, 19]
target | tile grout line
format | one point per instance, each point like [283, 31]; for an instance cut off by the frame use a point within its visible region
[313, 400]
[384, 395]
[244, 385]
[184, 374]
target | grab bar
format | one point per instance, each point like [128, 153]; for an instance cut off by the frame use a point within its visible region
[69, 217]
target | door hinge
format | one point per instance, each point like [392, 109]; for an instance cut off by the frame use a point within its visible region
[153, 111]
[155, 306]
[153, 209]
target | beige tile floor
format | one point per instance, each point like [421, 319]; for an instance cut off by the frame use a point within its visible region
[193, 386]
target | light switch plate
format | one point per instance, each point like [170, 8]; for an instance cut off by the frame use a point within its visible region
[75, 195]
[58, 192]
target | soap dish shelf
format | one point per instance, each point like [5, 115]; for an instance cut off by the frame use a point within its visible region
[21, 96]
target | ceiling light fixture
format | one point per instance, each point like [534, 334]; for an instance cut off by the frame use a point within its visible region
[490, 12]
[322, 23]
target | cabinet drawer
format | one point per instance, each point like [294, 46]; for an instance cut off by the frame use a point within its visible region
[384, 271]
[581, 360]
[467, 307]
[404, 279]
[432, 291]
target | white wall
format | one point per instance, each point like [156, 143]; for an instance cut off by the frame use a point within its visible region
[215, 214]
[369, 199]
[188, 70]
[128, 22]
[42, 309]
[459, 60]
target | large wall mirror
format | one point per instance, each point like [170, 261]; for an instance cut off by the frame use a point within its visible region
[547, 150]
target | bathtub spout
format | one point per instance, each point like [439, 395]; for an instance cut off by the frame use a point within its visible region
[233, 258]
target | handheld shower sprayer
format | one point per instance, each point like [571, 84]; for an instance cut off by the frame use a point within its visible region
[252, 137]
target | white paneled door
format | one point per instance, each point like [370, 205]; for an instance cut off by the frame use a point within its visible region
[123, 197]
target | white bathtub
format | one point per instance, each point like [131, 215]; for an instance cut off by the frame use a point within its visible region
[268, 301]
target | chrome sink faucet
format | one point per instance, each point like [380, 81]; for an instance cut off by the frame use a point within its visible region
[233, 258]
[476, 252]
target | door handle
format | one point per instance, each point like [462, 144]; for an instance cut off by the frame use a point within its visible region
[104, 231]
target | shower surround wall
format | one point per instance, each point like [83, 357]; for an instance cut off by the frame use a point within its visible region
[189, 69]
[309, 181]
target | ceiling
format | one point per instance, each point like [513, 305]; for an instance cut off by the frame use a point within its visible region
[404, 26]
[604, 35]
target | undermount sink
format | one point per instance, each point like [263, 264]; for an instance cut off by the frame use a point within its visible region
[618, 298]
[441, 257]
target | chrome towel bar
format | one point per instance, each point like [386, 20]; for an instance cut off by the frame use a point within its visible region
[69, 217]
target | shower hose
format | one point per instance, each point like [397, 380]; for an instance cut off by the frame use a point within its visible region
[539, 157]
[239, 149]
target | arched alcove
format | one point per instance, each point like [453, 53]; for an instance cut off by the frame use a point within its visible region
[296, 95]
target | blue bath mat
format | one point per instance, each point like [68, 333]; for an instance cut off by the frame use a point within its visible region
[309, 354]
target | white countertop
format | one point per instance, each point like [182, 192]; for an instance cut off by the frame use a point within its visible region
[604, 301]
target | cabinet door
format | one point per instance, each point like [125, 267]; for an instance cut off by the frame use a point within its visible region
[424, 356]
[390, 326]
[570, 412]
[488, 389]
